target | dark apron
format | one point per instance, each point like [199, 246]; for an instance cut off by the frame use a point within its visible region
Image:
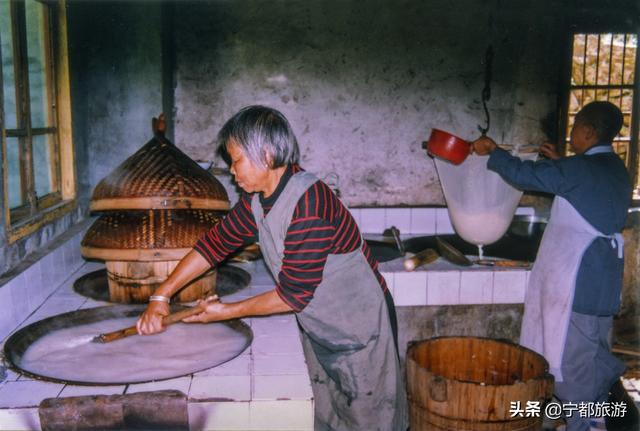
[346, 333]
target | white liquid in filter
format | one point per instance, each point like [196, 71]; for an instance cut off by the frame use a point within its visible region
[481, 228]
[69, 354]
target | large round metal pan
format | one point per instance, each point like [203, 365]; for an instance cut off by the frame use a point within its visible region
[60, 348]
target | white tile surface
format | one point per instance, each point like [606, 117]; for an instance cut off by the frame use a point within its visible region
[58, 264]
[37, 291]
[423, 221]
[279, 364]
[476, 287]
[221, 388]
[27, 393]
[8, 319]
[81, 391]
[181, 384]
[400, 218]
[443, 222]
[238, 366]
[12, 376]
[285, 345]
[372, 220]
[272, 325]
[19, 419]
[290, 386]
[509, 287]
[219, 416]
[443, 288]
[281, 415]
[19, 297]
[410, 288]
[54, 306]
[389, 278]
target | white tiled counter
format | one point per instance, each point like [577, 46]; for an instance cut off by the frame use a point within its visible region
[267, 387]
[442, 283]
[439, 283]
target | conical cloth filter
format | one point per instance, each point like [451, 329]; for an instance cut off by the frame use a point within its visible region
[480, 203]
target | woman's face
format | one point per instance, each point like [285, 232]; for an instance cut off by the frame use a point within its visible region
[250, 177]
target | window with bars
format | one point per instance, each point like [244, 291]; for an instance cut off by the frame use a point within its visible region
[603, 67]
[33, 144]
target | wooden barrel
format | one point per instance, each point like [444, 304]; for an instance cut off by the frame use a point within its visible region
[470, 383]
[134, 282]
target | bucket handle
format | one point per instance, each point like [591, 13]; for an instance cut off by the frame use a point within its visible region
[438, 389]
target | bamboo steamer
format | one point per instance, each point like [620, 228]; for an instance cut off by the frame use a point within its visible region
[157, 204]
[159, 176]
[141, 249]
[133, 282]
[469, 383]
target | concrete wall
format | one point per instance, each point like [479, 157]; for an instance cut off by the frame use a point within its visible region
[363, 83]
[116, 82]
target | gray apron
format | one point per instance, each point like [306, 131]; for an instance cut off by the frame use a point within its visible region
[345, 330]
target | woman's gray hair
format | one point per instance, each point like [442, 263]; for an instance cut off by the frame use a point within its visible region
[258, 131]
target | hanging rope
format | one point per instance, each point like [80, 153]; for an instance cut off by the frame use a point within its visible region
[486, 91]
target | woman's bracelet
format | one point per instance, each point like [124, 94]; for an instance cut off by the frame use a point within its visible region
[159, 298]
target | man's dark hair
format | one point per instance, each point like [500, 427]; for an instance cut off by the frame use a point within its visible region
[604, 117]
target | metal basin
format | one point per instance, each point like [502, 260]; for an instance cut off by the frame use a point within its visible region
[60, 348]
[521, 242]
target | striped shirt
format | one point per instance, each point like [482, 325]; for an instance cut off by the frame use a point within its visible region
[320, 226]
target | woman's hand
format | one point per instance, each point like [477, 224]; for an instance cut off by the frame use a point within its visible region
[214, 311]
[150, 322]
[549, 151]
[483, 145]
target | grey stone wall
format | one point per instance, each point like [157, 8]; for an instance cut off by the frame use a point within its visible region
[363, 83]
[498, 321]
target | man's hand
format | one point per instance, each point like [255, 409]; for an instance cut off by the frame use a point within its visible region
[483, 146]
[150, 322]
[549, 150]
[214, 311]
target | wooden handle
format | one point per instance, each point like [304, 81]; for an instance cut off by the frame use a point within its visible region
[424, 257]
[503, 263]
[132, 330]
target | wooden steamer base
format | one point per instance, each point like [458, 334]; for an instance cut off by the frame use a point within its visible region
[134, 282]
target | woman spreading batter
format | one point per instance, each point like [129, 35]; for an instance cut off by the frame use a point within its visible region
[324, 273]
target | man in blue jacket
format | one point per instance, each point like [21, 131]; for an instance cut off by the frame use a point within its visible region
[575, 284]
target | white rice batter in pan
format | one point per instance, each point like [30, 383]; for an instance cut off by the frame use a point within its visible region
[69, 354]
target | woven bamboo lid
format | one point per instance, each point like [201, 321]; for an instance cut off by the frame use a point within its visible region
[159, 176]
[151, 235]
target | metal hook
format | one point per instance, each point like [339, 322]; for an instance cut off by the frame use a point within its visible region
[486, 91]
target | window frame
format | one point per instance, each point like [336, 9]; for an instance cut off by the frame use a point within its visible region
[37, 212]
[565, 94]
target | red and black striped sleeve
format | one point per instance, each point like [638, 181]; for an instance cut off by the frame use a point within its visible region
[235, 230]
[320, 226]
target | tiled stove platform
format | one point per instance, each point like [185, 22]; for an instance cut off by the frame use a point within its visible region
[265, 388]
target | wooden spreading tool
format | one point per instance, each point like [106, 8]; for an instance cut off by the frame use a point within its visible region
[132, 330]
